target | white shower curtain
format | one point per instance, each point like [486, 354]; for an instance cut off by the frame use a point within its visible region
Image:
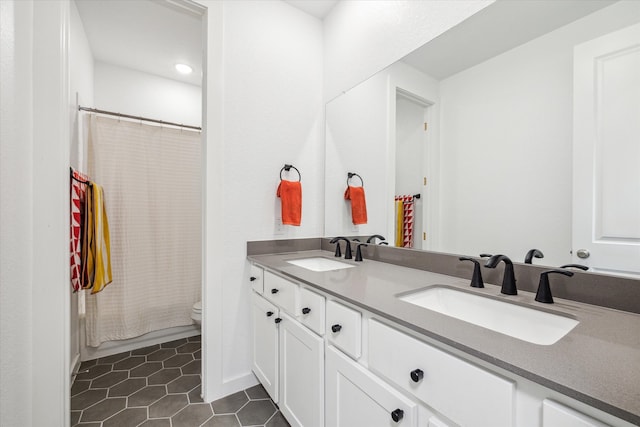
[152, 183]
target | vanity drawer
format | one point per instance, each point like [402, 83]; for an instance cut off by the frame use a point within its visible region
[281, 292]
[463, 392]
[344, 328]
[557, 415]
[256, 275]
[311, 312]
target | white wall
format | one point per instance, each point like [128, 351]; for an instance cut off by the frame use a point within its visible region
[272, 115]
[516, 106]
[128, 91]
[80, 89]
[16, 213]
[362, 37]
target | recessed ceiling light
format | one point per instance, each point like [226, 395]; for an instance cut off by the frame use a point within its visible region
[184, 69]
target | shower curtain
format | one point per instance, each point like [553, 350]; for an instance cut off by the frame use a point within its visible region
[152, 182]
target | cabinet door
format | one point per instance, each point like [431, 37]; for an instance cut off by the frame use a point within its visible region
[357, 398]
[265, 344]
[301, 374]
[556, 415]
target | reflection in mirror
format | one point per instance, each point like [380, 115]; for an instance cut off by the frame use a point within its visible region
[495, 166]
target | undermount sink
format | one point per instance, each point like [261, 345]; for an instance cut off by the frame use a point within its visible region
[527, 324]
[319, 264]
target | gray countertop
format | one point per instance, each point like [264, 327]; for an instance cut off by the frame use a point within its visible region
[597, 363]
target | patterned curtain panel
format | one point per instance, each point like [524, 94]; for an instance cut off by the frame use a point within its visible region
[151, 177]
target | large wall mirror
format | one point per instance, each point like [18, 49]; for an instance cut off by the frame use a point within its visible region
[517, 129]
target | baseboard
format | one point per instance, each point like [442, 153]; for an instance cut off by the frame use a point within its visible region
[152, 338]
[75, 365]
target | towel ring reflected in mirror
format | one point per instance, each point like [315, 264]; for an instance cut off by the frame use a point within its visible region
[351, 175]
[288, 168]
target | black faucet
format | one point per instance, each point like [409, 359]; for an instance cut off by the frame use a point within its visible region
[347, 249]
[532, 253]
[476, 279]
[578, 266]
[509, 278]
[374, 237]
[544, 290]
[359, 251]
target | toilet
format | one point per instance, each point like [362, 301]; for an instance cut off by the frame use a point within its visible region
[196, 313]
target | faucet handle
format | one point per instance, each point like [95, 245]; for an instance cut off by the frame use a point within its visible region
[544, 290]
[476, 279]
[359, 251]
[338, 252]
[578, 266]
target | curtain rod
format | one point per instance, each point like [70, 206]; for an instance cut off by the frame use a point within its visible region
[127, 116]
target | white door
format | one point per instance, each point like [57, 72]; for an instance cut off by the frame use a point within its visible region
[357, 398]
[301, 374]
[606, 141]
[265, 344]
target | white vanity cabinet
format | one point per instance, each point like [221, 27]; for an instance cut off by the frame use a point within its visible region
[357, 398]
[265, 343]
[556, 415]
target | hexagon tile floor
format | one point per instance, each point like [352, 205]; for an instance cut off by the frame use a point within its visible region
[159, 386]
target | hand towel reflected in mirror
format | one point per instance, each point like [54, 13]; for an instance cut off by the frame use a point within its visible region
[358, 204]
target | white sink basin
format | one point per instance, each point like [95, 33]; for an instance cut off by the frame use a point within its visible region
[527, 324]
[319, 264]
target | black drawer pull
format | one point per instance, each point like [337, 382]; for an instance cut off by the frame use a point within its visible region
[274, 291]
[253, 278]
[278, 320]
[306, 310]
[269, 313]
[397, 415]
[417, 375]
[336, 328]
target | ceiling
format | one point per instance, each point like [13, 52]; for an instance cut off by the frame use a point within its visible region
[317, 8]
[145, 35]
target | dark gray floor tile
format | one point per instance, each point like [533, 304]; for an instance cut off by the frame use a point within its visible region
[257, 392]
[174, 344]
[194, 395]
[195, 338]
[88, 425]
[130, 417]
[114, 358]
[109, 379]
[145, 370]
[277, 421]
[79, 387]
[183, 384]
[104, 409]
[87, 364]
[222, 421]
[128, 363]
[197, 355]
[146, 350]
[75, 417]
[168, 406]
[230, 404]
[94, 372]
[192, 368]
[190, 347]
[127, 387]
[164, 376]
[87, 398]
[162, 354]
[256, 412]
[178, 360]
[160, 422]
[146, 396]
[192, 415]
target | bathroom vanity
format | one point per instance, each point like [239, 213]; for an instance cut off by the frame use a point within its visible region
[340, 343]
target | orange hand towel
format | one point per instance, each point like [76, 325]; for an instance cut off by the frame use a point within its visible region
[358, 204]
[290, 193]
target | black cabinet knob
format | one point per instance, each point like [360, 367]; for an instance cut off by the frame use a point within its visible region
[397, 415]
[253, 278]
[274, 291]
[269, 313]
[277, 320]
[336, 328]
[417, 375]
[306, 310]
